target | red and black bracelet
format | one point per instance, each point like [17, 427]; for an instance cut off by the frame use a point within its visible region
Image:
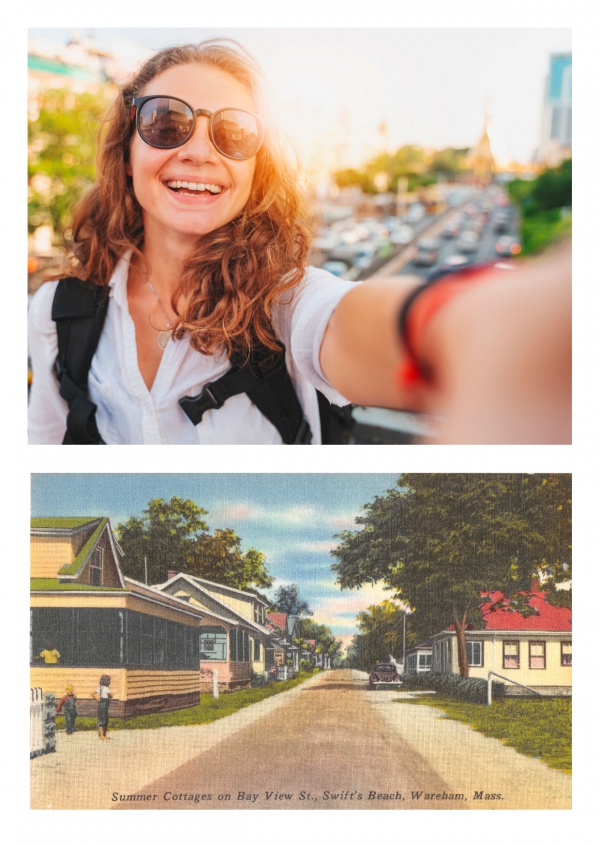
[418, 309]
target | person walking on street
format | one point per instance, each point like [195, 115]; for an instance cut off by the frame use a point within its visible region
[102, 695]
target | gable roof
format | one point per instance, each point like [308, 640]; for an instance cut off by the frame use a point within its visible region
[89, 529]
[227, 589]
[277, 619]
[215, 606]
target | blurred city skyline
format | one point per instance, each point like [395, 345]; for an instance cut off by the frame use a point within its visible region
[343, 95]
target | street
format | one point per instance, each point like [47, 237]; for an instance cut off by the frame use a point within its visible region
[327, 744]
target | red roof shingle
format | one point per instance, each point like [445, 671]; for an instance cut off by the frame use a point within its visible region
[549, 618]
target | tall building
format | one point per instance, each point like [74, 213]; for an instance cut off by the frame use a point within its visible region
[556, 138]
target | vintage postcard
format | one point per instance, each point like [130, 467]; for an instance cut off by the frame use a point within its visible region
[315, 641]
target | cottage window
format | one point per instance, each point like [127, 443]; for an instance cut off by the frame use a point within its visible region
[510, 655]
[213, 643]
[238, 645]
[257, 650]
[566, 653]
[424, 663]
[475, 653]
[537, 655]
[96, 567]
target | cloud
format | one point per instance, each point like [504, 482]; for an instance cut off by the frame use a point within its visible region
[314, 546]
[300, 516]
[337, 612]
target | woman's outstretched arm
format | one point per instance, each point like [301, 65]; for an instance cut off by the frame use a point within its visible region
[499, 352]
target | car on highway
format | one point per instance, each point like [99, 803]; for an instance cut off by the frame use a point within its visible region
[507, 246]
[468, 242]
[384, 675]
[400, 233]
[365, 257]
[451, 228]
[415, 213]
[455, 260]
[427, 252]
[502, 220]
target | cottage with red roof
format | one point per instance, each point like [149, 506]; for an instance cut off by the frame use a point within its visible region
[534, 651]
[284, 632]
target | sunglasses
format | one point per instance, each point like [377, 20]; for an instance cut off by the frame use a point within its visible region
[168, 122]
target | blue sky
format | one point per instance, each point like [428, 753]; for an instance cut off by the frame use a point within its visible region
[291, 517]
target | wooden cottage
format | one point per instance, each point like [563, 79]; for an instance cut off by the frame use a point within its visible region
[235, 644]
[534, 650]
[101, 622]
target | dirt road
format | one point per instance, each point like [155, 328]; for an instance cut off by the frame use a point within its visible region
[329, 744]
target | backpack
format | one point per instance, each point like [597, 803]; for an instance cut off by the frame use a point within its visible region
[79, 310]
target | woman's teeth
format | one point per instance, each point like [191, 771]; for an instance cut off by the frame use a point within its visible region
[176, 185]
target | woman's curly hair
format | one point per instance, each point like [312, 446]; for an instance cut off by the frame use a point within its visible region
[237, 272]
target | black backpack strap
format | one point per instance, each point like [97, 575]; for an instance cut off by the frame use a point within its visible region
[268, 386]
[337, 422]
[79, 309]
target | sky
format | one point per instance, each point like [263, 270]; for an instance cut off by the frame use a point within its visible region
[291, 518]
[333, 87]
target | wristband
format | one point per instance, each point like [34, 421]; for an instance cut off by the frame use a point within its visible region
[418, 309]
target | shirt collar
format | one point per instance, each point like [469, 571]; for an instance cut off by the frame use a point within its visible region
[118, 281]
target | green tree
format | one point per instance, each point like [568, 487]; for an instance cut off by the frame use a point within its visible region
[62, 149]
[325, 640]
[219, 558]
[440, 541]
[381, 633]
[174, 536]
[287, 600]
[544, 204]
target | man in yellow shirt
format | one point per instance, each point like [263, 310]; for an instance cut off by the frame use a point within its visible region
[49, 654]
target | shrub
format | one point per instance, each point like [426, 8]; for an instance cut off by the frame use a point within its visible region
[471, 690]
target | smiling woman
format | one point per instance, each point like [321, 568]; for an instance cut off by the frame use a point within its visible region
[187, 314]
[197, 231]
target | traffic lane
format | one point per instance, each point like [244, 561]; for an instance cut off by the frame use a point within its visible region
[485, 252]
[327, 748]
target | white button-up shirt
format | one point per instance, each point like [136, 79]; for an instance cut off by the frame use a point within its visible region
[129, 413]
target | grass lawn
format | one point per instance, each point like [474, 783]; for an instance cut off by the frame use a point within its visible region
[207, 711]
[540, 728]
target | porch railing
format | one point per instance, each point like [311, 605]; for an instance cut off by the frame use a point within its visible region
[512, 681]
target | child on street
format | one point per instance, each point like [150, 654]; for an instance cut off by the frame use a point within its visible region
[68, 705]
[103, 696]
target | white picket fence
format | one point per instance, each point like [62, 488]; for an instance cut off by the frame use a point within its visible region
[41, 723]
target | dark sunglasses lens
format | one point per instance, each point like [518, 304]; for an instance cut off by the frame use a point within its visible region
[236, 134]
[164, 122]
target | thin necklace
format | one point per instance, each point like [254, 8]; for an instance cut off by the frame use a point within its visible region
[164, 335]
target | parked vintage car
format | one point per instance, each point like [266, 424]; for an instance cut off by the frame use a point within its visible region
[384, 675]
